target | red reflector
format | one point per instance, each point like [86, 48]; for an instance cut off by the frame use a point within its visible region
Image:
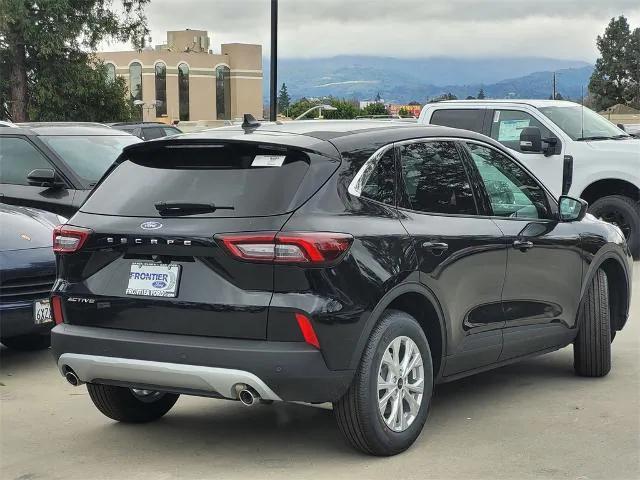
[56, 304]
[69, 239]
[307, 330]
[287, 247]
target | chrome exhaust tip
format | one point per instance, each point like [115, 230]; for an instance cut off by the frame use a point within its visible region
[72, 378]
[248, 397]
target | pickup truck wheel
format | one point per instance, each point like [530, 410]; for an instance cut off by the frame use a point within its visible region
[623, 212]
[592, 346]
[383, 411]
[35, 341]
[130, 405]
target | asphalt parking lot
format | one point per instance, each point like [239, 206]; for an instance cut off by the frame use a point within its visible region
[534, 419]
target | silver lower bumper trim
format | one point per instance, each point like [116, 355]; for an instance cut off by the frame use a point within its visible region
[171, 375]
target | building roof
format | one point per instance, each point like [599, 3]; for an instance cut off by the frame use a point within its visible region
[621, 109]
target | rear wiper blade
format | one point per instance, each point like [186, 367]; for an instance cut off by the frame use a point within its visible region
[187, 207]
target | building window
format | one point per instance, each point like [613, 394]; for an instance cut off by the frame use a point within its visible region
[135, 81]
[223, 92]
[183, 91]
[161, 89]
[111, 72]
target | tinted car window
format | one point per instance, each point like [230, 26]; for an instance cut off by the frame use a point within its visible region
[248, 179]
[467, 119]
[152, 132]
[18, 158]
[88, 156]
[435, 179]
[170, 131]
[507, 125]
[512, 191]
[380, 184]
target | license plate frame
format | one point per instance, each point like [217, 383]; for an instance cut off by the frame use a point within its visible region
[153, 280]
[42, 312]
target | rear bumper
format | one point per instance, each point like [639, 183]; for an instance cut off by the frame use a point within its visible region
[292, 371]
[17, 319]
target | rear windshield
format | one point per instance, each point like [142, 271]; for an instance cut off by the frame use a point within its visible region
[239, 179]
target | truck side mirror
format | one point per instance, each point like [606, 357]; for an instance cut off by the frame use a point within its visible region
[531, 140]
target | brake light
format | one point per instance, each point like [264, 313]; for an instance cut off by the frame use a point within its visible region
[69, 239]
[307, 330]
[287, 247]
[56, 304]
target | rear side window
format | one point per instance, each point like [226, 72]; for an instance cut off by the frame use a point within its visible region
[241, 179]
[17, 159]
[150, 133]
[435, 179]
[380, 183]
[466, 119]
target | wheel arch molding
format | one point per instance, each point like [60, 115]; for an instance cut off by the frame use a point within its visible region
[432, 322]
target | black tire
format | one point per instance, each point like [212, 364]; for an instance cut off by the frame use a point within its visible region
[592, 346]
[626, 210]
[357, 412]
[119, 403]
[35, 341]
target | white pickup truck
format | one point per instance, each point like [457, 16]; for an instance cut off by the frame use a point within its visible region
[541, 133]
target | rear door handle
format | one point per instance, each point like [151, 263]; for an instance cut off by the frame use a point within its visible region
[522, 245]
[435, 246]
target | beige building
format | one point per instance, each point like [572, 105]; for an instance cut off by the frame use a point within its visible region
[183, 80]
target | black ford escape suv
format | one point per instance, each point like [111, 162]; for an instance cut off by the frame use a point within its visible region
[358, 263]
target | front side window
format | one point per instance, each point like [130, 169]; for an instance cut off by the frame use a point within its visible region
[88, 156]
[223, 92]
[512, 191]
[435, 179]
[464, 118]
[380, 183]
[507, 125]
[135, 81]
[183, 91]
[161, 89]
[18, 158]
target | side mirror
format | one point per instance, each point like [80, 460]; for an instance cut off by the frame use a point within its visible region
[572, 209]
[43, 177]
[531, 140]
[620, 126]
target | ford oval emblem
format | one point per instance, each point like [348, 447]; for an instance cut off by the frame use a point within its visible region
[150, 225]
[159, 284]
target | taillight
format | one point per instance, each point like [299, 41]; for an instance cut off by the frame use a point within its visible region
[287, 247]
[56, 306]
[68, 239]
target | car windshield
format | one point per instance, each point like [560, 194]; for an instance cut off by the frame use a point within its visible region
[582, 123]
[89, 156]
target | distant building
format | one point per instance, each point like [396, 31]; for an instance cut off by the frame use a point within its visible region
[183, 80]
[365, 103]
[413, 110]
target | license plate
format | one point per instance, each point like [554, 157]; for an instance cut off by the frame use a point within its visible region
[153, 279]
[42, 312]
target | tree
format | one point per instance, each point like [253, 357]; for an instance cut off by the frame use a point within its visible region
[470, 97]
[345, 110]
[558, 96]
[404, 112]
[46, 45]
[284, 99]
[481, 95]
[616, 74]
[375, 109]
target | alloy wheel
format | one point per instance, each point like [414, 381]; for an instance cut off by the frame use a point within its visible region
[400, 384]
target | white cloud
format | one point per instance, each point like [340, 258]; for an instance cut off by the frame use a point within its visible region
[401, 28]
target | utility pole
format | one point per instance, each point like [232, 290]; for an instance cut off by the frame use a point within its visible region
[273, 102]
[554, 86]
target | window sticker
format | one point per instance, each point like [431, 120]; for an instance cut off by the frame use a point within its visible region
[510, 129]
[268, 160]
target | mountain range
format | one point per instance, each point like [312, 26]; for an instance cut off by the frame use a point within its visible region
[401, 80]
